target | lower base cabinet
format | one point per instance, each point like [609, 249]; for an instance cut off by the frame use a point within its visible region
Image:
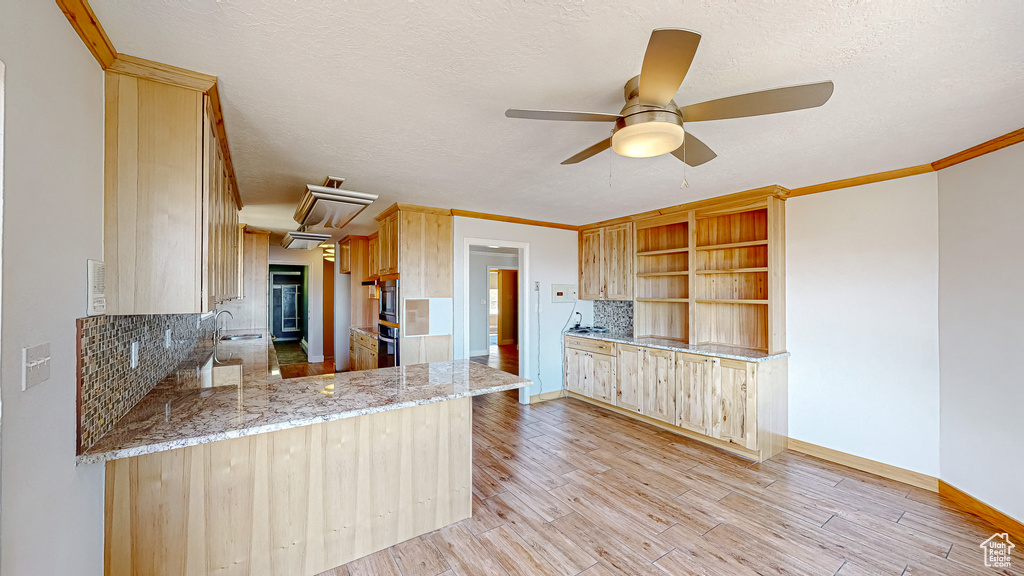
[737, 405]
[362, 352]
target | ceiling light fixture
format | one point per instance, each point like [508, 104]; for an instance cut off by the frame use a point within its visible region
[647, 134]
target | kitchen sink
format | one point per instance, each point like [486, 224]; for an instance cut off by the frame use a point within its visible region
[242, 337]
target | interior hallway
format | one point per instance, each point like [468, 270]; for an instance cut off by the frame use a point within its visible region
[564, 487]
[502, 357]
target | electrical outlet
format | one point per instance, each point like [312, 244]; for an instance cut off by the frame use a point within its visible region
[563, 293]
[35, 365]
[167, 338]
[135, 354]
[536, 286]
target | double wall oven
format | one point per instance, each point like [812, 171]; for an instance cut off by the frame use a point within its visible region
[387, 342]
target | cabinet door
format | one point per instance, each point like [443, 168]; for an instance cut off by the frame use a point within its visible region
[617, 262]
[392, 243]
[575, 378]
[658, 384]
[693, 378]
[604, 377]
[374, 268]
[733, 406]
[627, 394]
[345, 257]
[591, 287]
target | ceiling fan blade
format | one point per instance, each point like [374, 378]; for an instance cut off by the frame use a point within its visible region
[669, 54]
[595, 149]
[693, 151]
[561, 115]
[760, 103]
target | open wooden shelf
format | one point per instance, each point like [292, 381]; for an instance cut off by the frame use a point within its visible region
[733, 245]
[733, 271]
[662, 299]
[724, 301]
[660, 252]
[657, 274]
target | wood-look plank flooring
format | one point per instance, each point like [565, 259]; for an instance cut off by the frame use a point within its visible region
[504, 358]
[564, 488]
[307, 369]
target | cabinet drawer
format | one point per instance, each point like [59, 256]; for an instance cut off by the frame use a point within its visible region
[588, 345]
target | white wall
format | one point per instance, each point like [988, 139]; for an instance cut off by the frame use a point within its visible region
[313, 259]
[981, 316]
[862, 294]
[479, 311]
[553, 260]
[52, 511]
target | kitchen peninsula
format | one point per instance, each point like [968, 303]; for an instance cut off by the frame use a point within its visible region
[260, 475]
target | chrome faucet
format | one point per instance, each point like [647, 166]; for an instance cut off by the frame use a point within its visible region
[216, 335]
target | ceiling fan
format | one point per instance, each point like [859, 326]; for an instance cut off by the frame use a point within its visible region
[651, 124]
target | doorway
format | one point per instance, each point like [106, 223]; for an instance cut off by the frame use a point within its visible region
[289, 300]
[494, 297]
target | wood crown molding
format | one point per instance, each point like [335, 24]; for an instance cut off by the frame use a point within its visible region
[513, 220]
[83, 20]
[992, 145]
[972, 505]
[79, 13]
[866, 465]
[861, 180]
[253, 230]
[730, 203]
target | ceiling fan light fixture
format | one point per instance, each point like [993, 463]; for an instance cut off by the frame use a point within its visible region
[647, 134]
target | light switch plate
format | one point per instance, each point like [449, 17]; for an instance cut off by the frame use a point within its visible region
[35, 365]
[135, 354]
[563, 293]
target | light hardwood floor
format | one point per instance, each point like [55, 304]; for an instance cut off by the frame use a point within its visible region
[563, 488]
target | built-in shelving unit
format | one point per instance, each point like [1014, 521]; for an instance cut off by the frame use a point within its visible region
[731, 304]
[704, 276]
[662, 279]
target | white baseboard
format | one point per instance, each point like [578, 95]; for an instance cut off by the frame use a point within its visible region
[479, 352]
[315, 359]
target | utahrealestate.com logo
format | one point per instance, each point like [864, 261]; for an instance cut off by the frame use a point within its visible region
[997, 550]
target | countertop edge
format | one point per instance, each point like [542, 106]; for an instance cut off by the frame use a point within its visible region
[634, 342]
[101, 457]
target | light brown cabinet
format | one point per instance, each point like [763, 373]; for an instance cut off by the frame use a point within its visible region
[170, 214]
[606, 263]
[345, 256]
[605, 374]
[373, 269]
[693, 381]
[658, 384]
[415, 242]
[627, 395]
[591, 374]
[362, 351]
[576, 372]
[733, 404]
[388, 241]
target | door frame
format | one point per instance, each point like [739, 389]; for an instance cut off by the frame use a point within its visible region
[307, 274]
[525, 298]
[519, 288]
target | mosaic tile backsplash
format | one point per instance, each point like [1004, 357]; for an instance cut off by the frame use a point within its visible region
[108, 387]
[616, 315]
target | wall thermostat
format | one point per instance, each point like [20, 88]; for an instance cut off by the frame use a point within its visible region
[563, 293]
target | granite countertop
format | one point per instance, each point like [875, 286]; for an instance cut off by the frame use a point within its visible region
[247, 395]
[370, 331]
[716, 350]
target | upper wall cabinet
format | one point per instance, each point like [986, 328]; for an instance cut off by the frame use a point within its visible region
[606, 263]
[170, 218]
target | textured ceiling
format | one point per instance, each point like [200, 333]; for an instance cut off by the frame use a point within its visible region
[405, 99]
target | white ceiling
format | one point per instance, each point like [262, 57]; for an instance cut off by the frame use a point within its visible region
[405, 98]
